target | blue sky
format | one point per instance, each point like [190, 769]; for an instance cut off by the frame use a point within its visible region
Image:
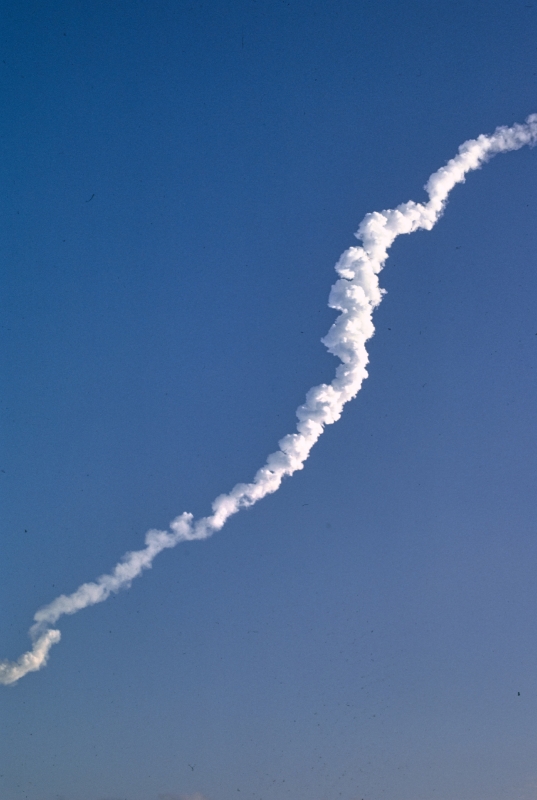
[179, 180]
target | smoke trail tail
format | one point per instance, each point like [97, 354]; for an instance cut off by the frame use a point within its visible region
[33, 660]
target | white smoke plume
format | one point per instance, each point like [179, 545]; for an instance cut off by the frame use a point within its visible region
[195, 796]
[355, 294]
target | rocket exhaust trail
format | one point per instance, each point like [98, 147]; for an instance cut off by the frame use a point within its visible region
[355, 294]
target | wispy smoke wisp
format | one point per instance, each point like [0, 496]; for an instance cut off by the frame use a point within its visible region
[355, 294]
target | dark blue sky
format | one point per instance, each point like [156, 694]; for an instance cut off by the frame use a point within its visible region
[178, 181]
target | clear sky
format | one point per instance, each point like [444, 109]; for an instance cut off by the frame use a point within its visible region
[179, 179]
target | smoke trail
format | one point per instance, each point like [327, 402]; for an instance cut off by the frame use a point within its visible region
[355, 294]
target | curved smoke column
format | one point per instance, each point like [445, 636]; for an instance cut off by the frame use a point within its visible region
[356, 293]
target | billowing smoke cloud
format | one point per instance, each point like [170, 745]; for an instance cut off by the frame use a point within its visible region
[355, 294]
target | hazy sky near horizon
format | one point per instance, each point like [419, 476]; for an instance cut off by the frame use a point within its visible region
[178, 181]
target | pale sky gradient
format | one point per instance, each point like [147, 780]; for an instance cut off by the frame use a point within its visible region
[179, 181]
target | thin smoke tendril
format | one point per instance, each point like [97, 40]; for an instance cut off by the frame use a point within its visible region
[355, 294]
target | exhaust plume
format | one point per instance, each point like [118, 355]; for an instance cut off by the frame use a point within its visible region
[355, 294]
